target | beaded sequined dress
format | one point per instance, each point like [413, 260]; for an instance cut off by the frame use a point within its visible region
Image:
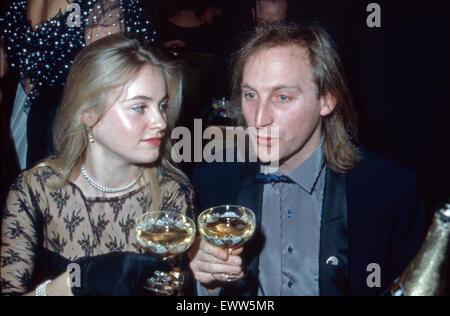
[44, 55]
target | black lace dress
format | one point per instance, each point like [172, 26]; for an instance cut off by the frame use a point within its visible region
[44, 229]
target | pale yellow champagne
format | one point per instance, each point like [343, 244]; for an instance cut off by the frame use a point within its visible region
[164, 242]
[228, 232]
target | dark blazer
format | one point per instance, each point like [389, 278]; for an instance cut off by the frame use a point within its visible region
[373, 214]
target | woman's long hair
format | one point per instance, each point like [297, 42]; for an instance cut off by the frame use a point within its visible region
[103, 69]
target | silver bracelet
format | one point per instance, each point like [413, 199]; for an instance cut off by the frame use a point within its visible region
[41, 289]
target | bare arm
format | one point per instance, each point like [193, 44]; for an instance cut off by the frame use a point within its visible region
[3, 64]
[3, 70]
[36, 11]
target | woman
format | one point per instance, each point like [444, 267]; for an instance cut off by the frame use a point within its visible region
[41, 39]
[112, 138]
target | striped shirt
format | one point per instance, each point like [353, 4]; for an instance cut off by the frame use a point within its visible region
[291, 220]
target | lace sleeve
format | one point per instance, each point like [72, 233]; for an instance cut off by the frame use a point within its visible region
[19, 239]
[178, 196]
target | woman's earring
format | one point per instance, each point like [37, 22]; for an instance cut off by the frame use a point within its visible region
[91, 139]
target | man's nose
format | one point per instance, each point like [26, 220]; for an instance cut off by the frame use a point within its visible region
[263, 115]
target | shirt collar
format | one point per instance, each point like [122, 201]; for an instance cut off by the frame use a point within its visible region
[307, 174]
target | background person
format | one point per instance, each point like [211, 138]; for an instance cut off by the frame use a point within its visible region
[188, 29]
[268, 12]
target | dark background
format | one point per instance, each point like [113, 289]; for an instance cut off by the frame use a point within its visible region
[399, 74]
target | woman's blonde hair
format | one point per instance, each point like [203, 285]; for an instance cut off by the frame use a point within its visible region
[103, 69]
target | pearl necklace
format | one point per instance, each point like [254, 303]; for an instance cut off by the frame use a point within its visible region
[106, 189]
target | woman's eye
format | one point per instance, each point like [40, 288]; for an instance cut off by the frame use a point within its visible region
[139, 108]
[163, 106]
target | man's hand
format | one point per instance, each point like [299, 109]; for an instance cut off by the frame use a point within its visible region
[211, 264]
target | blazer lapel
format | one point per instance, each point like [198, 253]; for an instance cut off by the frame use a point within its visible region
[250, 191]
[334, 249]
[251, 196]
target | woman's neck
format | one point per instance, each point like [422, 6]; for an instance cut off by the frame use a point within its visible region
[109, 171]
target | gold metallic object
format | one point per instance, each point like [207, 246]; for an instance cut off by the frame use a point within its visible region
[425, 276]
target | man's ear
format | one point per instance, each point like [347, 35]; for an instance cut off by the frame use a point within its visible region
[89, 119]
[327, 105]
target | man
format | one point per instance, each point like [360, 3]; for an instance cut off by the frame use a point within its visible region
[336, 220]
[267, 12]
[246, 16]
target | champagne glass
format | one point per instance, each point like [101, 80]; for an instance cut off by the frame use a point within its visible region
[227, 226]
[167, 235]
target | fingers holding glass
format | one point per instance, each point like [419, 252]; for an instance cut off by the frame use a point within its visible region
[212, 264]
[225, 229]
[167, 235]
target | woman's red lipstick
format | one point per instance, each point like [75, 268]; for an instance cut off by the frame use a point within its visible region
[156, 141]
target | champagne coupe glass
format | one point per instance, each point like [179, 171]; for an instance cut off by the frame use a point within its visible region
[167, 235]
[227, 226]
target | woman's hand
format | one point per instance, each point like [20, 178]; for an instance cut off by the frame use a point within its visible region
[117, 274]
[212, 265]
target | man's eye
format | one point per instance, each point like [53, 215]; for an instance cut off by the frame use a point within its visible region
[284, 98]
[250, 95]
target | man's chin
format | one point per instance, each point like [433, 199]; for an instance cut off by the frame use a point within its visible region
[269, 155]
[269, 158]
